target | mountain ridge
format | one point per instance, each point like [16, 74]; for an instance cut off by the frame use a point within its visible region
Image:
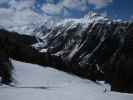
[97, 50]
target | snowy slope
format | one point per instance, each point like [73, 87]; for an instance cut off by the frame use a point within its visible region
[31, 81]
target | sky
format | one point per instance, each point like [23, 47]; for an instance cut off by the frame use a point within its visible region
[33, 9]
[122, 9]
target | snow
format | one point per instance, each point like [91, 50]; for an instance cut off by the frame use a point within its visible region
[87, 19]
[31, 81]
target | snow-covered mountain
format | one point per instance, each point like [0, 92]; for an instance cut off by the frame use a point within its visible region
[69, 36]
[60, 26]
[93, 47]
[92, 44]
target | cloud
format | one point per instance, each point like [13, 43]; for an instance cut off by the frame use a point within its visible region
[3, 1]
[17, 11]
[19, 15]
[52, 9]
[17, 4]
[21, 4]
[50, 1]
[5, 16]
[62, 7]
[100, 3]
[131, 16]
[76, 5]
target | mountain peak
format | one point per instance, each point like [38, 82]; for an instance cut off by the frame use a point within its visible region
[94, 16]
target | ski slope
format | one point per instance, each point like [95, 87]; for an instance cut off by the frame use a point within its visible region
[34, 82]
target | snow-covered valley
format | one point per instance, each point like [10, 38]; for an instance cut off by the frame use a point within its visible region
[34, 82]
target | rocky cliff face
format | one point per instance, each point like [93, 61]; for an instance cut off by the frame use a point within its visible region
[94, 47]
[78, 40]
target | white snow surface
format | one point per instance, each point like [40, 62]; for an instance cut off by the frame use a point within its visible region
[61, 86]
